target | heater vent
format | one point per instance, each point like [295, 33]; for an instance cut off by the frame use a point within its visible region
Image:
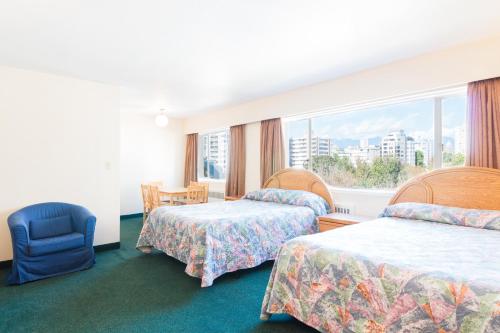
[344, 209]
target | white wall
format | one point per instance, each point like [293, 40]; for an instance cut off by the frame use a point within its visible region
[148, 153]
[450, 67]
[59, 141]
[361, 202]
[446, 68]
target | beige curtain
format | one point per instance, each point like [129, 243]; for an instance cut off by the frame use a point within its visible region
[483, 124]
[235, 181]
[272, 151]
[191, 161]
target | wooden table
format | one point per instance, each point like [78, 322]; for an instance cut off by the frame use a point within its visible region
[172, 193]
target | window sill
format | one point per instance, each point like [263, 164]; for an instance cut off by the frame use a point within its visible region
[362, 191]
[210, 180]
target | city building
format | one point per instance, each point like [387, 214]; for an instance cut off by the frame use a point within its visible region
[298, 149]
[365, 153]
[214, 153]
[410, 151]
[426, 146]
[394, 145]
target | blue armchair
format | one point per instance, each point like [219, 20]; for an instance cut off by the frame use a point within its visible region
[50, 239]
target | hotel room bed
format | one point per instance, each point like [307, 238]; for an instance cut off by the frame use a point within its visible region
[221, 237]
[418, 268]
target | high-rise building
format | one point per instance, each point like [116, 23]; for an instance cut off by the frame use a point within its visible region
[215, 154]
[298, 149]
[363, 143]
[426, 146]
[394, 145]
[362, 153]
[399, 145]
[410, 151]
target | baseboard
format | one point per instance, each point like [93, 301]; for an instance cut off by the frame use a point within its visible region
[130, 216]
[6, 264]
[97, 248]
[105, 247]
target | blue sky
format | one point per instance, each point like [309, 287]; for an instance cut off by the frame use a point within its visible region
[416, 118]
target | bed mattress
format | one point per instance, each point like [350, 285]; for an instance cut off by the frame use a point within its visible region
[390, 275]
[221, 237]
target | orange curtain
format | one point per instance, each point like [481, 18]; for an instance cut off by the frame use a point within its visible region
[235, 181]
[191, 161]
[272, 150]
[483, 124]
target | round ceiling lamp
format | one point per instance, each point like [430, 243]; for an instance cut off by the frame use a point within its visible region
[161, 120]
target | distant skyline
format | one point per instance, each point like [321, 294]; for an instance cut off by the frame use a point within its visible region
[415, 118]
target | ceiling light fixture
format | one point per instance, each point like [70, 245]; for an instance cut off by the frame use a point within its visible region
[161, 120]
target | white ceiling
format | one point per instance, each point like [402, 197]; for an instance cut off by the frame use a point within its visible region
[192, 56]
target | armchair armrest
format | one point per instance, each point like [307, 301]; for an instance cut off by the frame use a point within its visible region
[19, 232]
[84, 223]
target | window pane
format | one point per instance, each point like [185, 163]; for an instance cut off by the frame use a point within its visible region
[298, 143]
[453, 115]
[213, 155]
[377, 148]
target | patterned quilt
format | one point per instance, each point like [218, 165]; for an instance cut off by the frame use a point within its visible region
[221, 237]
[392, 275]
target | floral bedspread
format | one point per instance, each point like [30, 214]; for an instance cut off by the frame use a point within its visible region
[221, 237]
[390, 275]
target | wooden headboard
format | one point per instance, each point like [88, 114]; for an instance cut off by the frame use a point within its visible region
[296, 179]
[466, 187]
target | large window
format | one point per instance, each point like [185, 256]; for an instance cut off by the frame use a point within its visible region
[453, 109]
[382, 146]
[212, 155]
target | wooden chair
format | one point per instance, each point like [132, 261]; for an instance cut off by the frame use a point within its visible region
[195, 195]
[205, 189]
[159, 184]
[146, 201]
[156, 197]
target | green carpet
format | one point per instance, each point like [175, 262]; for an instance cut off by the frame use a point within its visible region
[127, 291]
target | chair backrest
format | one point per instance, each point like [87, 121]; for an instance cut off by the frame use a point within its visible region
[205, 186]
[158, 183]
[195, 194]
[155, 196]
[146, 198]
[51, 227]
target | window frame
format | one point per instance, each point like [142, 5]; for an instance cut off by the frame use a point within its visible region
[199, 160]
[437, 95]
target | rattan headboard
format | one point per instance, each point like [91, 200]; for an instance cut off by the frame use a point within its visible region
[466, 187]
[296, 179]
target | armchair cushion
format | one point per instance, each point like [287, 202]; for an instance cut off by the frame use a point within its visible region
[50, 227]
[55, 244]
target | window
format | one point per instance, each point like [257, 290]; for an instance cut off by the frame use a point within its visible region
[297, 149]
[213, 155]
[380, 147]
[453, 109]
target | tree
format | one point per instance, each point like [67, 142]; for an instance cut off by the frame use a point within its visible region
[451, 159]
[419, 158]
[363, 174]
[334, 169]
[386, 172]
